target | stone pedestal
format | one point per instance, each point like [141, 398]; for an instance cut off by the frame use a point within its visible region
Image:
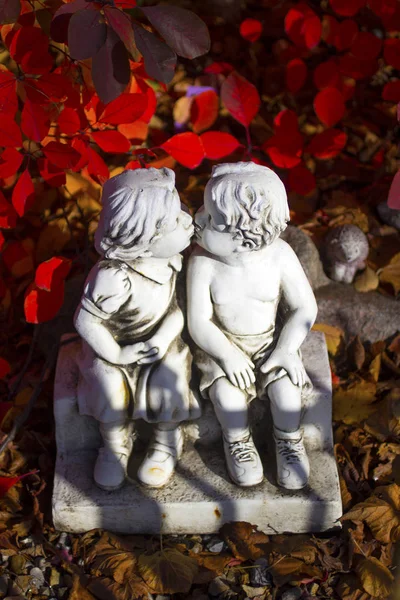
[200, 498]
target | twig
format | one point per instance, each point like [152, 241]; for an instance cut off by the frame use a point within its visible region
[14, 389]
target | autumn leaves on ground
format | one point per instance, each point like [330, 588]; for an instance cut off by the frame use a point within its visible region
[88, 89]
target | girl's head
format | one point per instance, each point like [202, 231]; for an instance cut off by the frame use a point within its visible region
[245, 208]
[142, 216]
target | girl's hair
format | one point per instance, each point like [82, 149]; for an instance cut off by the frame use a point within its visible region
[252, 200]
[138, 205]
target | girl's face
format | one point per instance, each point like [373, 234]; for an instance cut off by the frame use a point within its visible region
[176, 236]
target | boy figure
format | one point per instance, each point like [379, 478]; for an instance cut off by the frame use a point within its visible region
[133, 362]
[237, 276]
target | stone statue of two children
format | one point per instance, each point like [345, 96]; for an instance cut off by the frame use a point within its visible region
[133, 361]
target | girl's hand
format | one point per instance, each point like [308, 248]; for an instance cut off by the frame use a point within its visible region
[134, 353]
[290, 362]
[156, 347]
[238, 368]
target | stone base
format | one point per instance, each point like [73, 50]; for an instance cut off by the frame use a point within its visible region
[200, 497]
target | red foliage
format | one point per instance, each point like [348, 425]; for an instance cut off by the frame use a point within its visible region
[303, 26]
[217, 144]
[241, 98]
[347, 8]
[186, 148]
[204, 111]
[251, 29]
[329, 106]
[296, 75]
[301, 180]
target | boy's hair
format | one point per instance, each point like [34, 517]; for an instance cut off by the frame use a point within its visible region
[137, 207]
[252, 200]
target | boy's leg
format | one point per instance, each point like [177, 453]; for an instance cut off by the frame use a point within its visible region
[242, 459]
[293, 467]
[164, 451]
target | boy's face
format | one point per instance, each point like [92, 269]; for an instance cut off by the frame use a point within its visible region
[176, 236]
[211, 232]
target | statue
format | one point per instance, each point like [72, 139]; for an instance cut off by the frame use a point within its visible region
[133, 363]
[345, 252]
[237, 276]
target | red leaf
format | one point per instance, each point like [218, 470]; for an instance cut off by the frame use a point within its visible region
[347, 8]
[124, 109]
[10, 133]
[96, 166]
[41, 306]
[87, 33]
[10, 162]
[122, 25]
[132, 165]
[18, 259]
[159, 59]
[285, 149]
[2, 241]
[251, 29]
[218, 144]
[394, 193]
[391, 52]
[5, 369]
[35, 121]
[327, 144]
[6, 483]
[23, 195]
[204, 110]
[286, 122]
[126, 4]
[52, 273]
[61, 19]
[296, 75]
[53, 175]
[301, 180]
[29, 48]
[186, 148]
[69, 121]
[385, 9]
[182, 29]
[9, 11]
[329, 106]
[110, 68]
[241, 98]
[303, 26]
[111, 141]
[351, 66]
[5, 408]
[326, 74]
[8, 216]
[217, 68]
[366, 46]
[8, 95]
[61, 155]
[391, 91]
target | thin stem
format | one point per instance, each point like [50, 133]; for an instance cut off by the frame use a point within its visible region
[14, 389]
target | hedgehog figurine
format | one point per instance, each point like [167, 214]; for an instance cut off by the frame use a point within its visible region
[345, 251]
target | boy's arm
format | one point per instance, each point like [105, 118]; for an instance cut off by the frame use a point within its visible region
[300, 300]
[238, 368]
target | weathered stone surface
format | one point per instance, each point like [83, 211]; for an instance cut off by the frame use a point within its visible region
[369, 315]
[308, 255]
[390, 216]
[200, 497]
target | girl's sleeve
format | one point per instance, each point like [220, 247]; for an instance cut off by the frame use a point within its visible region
[106, 289]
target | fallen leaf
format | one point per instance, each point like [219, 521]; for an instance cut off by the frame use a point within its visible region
[367, 281]
[168, 571]
[376, 579]
[355, 403]
[391, 273]
[375, 367]
[381, 512]
[105, 588]
[243, 539]
[333, 336]
[356, 353]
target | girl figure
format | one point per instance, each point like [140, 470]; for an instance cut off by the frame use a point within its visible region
[133, 362]
[237, 276]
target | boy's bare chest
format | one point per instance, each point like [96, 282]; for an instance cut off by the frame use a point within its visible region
[231, 285]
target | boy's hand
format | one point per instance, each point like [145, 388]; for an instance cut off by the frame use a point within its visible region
[156, 348]
[238, 369]
[290, 362]
[135, 353]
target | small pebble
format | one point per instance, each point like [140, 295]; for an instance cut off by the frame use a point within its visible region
[259, 574]
[38, 576]
[28, 541]
[390, 216]
[41, 562]
[215, 545]
[314, 589]
[293, 594]
[160, 597]
[3, 584]
[196, 548]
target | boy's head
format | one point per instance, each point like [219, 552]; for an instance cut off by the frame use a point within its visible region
[246, 201]
[141, 216]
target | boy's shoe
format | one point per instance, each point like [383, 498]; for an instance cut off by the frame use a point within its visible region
[112, 460]
[243, 462]
[161, 458]
[292, 465]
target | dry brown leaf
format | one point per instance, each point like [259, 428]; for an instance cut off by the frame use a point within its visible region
[349, 588]
[293, 570]
[168, 571]
[52, 239]
[381, 512]
[375, 368]
[333, 336]
[79, 591]
[367, 281]
[376, 579]
[356, 353]
[244, 540]
[391, 273]
[112, 557]
[355, 403]
[105, 588]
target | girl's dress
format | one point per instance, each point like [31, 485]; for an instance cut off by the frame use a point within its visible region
[132, 300]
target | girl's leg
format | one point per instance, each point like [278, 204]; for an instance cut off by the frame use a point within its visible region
[242, 459]
[162, 455]
[285, 400]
